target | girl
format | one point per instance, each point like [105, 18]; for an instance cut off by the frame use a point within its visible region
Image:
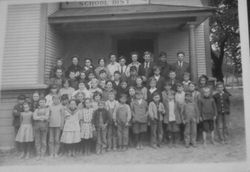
[41, 117]
[131, 92]
[83, 78]
[80, 97]
[66, 89]
[139, 110]
[35, 101]
[73, 81]
[53, 92]
[202, 82]
[71, 130]
[109, 88]
[111, 105]
[122, 89]
[101, 63]
[88, 67]
[25, 134]
[82, 89]
[96, 99]
[152, 89]
[139, 86]
[87, 128]
[156, 111]
[94, 86]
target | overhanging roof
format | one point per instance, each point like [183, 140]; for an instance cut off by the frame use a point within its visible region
[131, 12]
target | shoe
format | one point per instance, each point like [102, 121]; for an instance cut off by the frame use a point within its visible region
[187, 145]
[22, 156]
[109, 149]
[27, 156]
[137, 147]
[56, 156]
[114, 149]
[194, 145]
[154, 146]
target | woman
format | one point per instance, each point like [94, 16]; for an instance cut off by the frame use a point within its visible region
[101, 66]
[75, 67]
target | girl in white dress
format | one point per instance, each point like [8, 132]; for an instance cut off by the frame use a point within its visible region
[87, 128]
[25, 134]
[71, 130]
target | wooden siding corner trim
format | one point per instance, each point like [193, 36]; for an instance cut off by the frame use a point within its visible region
[42, 47]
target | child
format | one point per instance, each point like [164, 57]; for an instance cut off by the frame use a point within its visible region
[103, 76]
[139, 86]
[18, 108]
[159, 79]
[87, 127]
[97, 97]
[66, 89]
[180, 94]
[173, 80]
[139, 110]
[75, 68]
[122, 89]
[83, 78]
[55, 125]
[59, 65]
[111, 105]
[167, 90]
[117, 79]
[208, 112]
[131, 92]
[94, 86]
[73, 82]
[91, 75]
[82, 89]
[53, 92]
[35, 101]
[80, 97]
[156, 111]
[152, 89]
[88, 67]
[123, 67]
[109, 88]
[101, 120]
[186, 81]
[132, 76]
[122, 117]
[190, 116]
[135, 63]
[223, 107]
[172, 118]
[146, 69]
[71, 130]
[41, 117]
[113, 65]
[58, 79]
[25, 134]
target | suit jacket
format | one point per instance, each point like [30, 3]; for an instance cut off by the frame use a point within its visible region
[147, 72]
[160, 83]
[181, 70]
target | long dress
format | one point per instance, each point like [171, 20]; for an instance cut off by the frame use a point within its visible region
[87, 128]
[25, 132]
[71, 129]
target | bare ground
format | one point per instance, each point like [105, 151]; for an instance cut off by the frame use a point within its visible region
[235, 151]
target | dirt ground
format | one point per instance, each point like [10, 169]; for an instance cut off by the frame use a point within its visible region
[234, 151]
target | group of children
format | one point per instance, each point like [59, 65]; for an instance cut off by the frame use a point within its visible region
[116, 108]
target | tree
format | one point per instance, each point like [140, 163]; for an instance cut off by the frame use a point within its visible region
[224, 35]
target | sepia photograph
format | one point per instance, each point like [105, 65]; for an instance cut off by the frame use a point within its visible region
[121, 82]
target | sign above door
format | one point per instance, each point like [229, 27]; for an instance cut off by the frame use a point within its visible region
[102, 3]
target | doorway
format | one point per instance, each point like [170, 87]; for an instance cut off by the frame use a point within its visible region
[136, 42]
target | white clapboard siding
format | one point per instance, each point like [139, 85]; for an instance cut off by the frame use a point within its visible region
[178, 2]
[200, 50]
[21, 51]
[53, 42]
[173, 41]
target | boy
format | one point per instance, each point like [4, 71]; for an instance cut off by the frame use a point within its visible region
[117, 78]
[146, 69]
[155, 112]
[122, 119]
[101, 119]
[111, 105]
[122, 67]
[172, 79]
[72, 80]
[139, 110]
[113, 65]
[208, 112]
[58, 79]
[55, 125]
[133, 76]
[135, 63]
[172, 118]
[18, 108]
[190, 116]
[186, 81]
[159, 79]
[181, 66]
[59, 65]
[223, 107]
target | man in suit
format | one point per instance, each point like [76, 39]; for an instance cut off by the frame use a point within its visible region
[165, 67]
[146, 69]
[180, 67]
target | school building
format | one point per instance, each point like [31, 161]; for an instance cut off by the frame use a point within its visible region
[35, 35]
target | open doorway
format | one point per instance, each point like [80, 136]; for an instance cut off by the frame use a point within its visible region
[139, 42]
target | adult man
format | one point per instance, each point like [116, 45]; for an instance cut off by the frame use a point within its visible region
[146, 69]
[180, 67]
